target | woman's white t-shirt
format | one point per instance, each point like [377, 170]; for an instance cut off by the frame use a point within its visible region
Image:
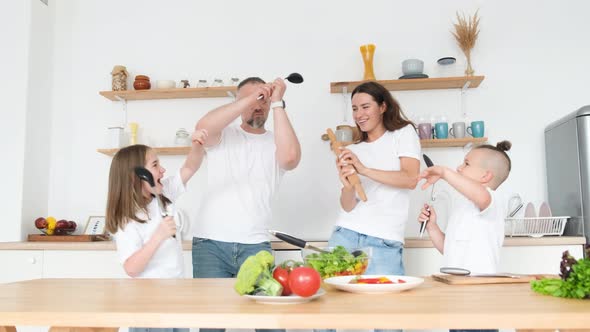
[167, 261]
[385, 213]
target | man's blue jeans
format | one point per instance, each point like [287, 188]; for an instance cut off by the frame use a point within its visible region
[216, 259]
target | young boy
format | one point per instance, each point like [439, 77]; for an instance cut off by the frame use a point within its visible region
[475, 230]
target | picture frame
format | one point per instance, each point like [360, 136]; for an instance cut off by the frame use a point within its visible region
[96, 225]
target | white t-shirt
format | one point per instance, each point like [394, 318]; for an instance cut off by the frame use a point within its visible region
[385, 213]
[242, 176]
[473, 238]
[167, 261]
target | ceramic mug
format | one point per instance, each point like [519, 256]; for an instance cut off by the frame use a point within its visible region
[441, 130]
[457, 130]
[425, 131]
[476, 129]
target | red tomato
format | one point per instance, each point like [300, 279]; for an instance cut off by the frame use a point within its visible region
[281, 275]
[304, 281]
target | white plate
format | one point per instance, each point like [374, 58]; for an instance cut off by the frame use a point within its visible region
[291, 299]
[342, 283]
[544, 210]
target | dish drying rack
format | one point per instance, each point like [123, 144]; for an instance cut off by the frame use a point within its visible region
[535, 227]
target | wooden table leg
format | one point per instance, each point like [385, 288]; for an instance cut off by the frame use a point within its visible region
[80, 329]
[7, 329]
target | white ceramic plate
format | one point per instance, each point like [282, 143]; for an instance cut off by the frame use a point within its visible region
[291, 299]
[544, 210]
[342, 283]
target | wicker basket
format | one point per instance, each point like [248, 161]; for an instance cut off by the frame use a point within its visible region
[535, 227]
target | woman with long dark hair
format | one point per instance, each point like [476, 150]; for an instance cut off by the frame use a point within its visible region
[387, 160]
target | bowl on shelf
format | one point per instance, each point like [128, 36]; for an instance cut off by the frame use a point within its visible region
[412, 66]
[337, 261]
[165, 84]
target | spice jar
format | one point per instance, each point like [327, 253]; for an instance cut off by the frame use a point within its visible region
[142, 82]
[182, 138]
[119, 78]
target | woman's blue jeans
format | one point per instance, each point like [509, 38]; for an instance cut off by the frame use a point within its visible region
[385, 259]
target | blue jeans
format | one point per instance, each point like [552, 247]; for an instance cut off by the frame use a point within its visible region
[385, 259]
[387, 254]
[216, 259]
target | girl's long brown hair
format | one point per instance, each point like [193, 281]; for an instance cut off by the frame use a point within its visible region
[393, 117]
[125, 196]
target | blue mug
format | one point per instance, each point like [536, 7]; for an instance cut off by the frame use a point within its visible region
[476, 129]
[441, 130]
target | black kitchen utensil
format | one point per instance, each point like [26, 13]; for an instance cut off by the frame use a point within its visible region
[295, 241]
[429, 163]
[144, 175]
[294, 78]
[303, 244]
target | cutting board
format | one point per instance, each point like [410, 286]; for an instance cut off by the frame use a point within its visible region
[464, 280]
[67, 238]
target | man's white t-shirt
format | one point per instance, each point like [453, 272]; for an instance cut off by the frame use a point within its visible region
[385, 213]
[167, 261]
[242, 176]
[473, 238]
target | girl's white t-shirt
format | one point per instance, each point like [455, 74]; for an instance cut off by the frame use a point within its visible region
[473, 238]
[385, 213]
[167, 261]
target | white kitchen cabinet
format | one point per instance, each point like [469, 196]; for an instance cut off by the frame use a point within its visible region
[16, 265]
[519, 259]
[82, 264]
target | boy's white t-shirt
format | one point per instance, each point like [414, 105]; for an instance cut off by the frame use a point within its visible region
[243, 175]
[473, 238]
[385, 213]
[167, 261]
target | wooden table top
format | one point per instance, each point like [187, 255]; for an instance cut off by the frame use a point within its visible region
[214, 303]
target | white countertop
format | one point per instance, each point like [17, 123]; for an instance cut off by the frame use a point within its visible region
[411, 242]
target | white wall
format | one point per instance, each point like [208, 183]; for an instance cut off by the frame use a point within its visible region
[534, 55]
[38, 117]
[14, 35]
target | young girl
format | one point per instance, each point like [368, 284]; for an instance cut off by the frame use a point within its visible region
[145, 242]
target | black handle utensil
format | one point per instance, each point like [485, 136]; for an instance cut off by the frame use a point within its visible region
[294, 78]
[429, 163]
[144, 175]
[295, 241]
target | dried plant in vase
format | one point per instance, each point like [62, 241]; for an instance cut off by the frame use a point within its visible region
[466, 32]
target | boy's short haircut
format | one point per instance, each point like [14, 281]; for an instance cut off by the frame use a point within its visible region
[499, 151]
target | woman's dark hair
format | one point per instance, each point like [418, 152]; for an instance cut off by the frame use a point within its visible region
[393, 118]
[501, 147]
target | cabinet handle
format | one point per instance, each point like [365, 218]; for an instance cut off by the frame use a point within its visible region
[32, 260]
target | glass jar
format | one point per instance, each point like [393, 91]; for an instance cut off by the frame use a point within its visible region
[182, 138]
[344, 134]
[202, 84]
[217, 82]
[235, 81]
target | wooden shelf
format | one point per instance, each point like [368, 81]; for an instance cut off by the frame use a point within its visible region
[415, 84]
[162, 151]
[209, 92]
[451, 142]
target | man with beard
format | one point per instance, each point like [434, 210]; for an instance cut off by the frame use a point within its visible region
[245, 164]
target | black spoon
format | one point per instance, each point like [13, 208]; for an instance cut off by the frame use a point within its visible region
[144, 175]
[294, 78]
[429, 163]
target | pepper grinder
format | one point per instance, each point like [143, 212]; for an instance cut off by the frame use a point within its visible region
[133, 130]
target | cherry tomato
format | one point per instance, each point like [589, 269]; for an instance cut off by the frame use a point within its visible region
[304, 281]
[281, 274]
